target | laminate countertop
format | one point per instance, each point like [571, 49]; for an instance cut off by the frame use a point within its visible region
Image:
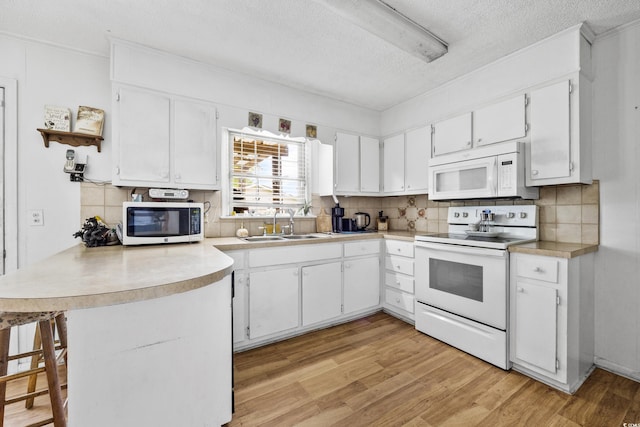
[82, 277]
[554, 249]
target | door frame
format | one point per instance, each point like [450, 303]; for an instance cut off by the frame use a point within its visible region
[10, 178]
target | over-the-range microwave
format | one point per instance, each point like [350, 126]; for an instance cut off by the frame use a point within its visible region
[486, 172]
[145, 223]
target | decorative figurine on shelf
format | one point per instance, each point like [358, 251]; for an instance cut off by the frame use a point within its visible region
[95, 233]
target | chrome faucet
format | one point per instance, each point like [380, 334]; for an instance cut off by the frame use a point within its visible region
[275, 214]
[291, 212]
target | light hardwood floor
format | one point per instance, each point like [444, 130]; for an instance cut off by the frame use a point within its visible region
[381, 371]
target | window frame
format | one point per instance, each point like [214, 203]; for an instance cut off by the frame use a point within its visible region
[227, 184]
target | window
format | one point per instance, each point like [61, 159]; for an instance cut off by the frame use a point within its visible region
[267, 173]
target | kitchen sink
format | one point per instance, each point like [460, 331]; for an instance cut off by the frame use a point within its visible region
[299, 236]
[262, 238]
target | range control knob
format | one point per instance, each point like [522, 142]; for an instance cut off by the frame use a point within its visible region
[511, 215]
[523, 215]
[465, 214]
[456, 214]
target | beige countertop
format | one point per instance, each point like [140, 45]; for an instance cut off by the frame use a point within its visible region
[234, 243]
[554, 249]
[81, 277]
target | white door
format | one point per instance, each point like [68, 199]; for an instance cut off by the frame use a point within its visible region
[369, 165]
[393, 158]
[273, 301]
[195, 148]
[347, 163]
[452, 135]
[142, 137]
[501, 121]
[550, 132]
[321, 292]
[361, 284]
[417, 154]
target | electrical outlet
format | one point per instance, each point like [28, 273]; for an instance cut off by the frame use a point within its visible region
[36, 217]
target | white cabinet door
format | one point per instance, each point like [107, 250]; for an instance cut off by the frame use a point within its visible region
[347, 155]
[273, 301]
[550, 133]
[499, 122]
[195, 147]
[417, 154]
[369, 165]
[142, 143]
[321, 292]
[393, 158]
[361, 284]
[536, 325]
[452, 135]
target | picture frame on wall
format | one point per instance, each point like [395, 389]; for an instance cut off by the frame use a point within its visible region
[284, 126]
[255, 120]
[312, 131]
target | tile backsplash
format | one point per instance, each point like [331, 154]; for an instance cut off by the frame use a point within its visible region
[567, 213]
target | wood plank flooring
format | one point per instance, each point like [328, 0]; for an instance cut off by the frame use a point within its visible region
[379, 371]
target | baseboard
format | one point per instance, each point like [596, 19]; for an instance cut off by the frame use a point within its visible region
[614, 368]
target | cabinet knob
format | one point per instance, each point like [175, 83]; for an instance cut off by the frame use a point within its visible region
[468, 143]
[538, 270]
[479, 139]
[521, 290]
[398, 300]
[347, 266]
[534, 172]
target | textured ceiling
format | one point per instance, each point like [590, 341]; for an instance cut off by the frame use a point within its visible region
[300, 43]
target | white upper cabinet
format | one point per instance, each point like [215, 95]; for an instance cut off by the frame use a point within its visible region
[195, 134]
[451, 135]
[550, 132]
[161, 140]
[141, 137]
[347, 161]
[393, 157]
[357, 161]
[369, 165]
[499, 122]
[417, 154]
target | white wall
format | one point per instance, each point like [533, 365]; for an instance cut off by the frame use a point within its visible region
[50, 75]
[616, 155]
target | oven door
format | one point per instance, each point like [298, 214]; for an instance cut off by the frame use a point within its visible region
[467, 281]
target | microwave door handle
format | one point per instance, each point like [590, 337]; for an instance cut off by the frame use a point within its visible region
[495, 176]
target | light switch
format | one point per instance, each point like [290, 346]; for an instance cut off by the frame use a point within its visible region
[36, 217]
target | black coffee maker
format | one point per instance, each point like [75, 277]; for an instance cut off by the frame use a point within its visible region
[336, 217]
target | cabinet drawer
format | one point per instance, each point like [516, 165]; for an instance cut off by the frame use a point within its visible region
[399, 281]
[238, 259]
[364, 247]
[399, 299]
[399, 264]
[397, 247]
[536, 267]
[294, 254]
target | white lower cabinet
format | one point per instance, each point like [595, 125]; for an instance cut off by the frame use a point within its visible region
[551, 318]
[399, 296]
[273, 301]
[361, 284]
[321, 292]
[285, 290]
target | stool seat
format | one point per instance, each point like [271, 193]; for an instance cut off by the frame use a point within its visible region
[10, 319]
[44, 325]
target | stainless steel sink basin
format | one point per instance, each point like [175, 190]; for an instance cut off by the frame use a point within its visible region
[262, 238]
[299, 236]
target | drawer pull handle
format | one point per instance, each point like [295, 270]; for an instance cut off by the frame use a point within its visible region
[398, 300]
[538, 270]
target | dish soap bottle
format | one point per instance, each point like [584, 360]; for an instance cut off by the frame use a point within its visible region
[242, 232]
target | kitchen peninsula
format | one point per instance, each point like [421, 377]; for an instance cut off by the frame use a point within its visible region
[149, 330]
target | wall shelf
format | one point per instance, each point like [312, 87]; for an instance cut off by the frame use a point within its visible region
[71, 138]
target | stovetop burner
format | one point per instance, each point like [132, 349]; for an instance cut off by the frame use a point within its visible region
[512, 225]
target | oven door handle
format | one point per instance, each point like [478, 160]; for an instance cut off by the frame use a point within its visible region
[458, 249]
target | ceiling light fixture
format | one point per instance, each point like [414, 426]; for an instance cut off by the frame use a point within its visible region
[384, 21]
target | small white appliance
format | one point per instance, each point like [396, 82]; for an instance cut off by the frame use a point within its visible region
[462, 278]
[145, 223]
[492, 171]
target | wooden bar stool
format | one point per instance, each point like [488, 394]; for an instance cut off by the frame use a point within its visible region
[7, 321]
